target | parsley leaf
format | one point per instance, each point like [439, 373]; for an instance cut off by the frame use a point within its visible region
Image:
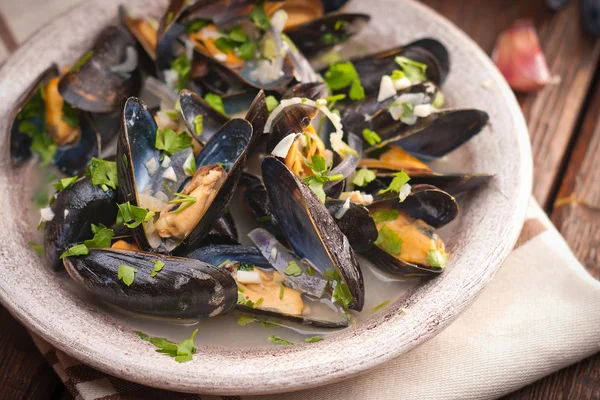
[357, 91]
[379, 306]
[340, 75]
[439, 100]
[397, 74]
[341, 292]
[102, 237]
[182, 351]
[363, 176]
[247, 50]
[132, 216]
[389, 240]
[215, 101]
[385, 215]
[318, 165]
[292, 269]
[182, 66]
[244, 266]
[196, 25]
[171, 142]
[79, 63]
[272, 103]
[277, 340]
[38, 248]
[316, 186]
[158, 266]
[309, 271]
[186, 349]
[259, 17]
[103, 173]
[244, 320]
[371, 137]
[413, 70]
[400, 178]
[313, 339]
[77, 250]
[126, 274]
[199, 124]
[65, 183]
[436, 259]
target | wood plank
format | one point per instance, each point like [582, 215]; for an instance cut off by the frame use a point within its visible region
[552, 114]
[24, 374]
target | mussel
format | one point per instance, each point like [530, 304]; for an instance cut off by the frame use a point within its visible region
[183, 288]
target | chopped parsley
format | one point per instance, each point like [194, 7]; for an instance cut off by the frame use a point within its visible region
[38, 248]
[342, 75]
[102, 237]
[389, 240]
[171, 142]
[183, 200]
[277, 340]
[340, 24]
[258, 302]
[379, 306]
[132, 216]
[413, 70]
[244, 320]
[436, 259]
[247, 50]
[318, 165]
[293, 269]
[309, 271]
[313, 339]
[341, 292]
[158, 266]
[397, 74]
[385, 215]
[196, 25]
[363, 176]
[79, 63]
[126, 274]
[272, 103]
[41, 143]
[199, 124]
[244, 266]
[103, 173]
[182, 66]
[399, 180]
[328, 38]
[259, 17]
[439, 100]
[169, 18]
[371, 137]
[70, 115]
[182, 352]
[77, 250]
[215, 101]
[65, 183]
[281, 291]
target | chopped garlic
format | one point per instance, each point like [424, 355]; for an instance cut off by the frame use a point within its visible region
[402, 83]
[357, 197]
[283, 147]
[166, 162]
[152, 166]
[404, 192]
[47, 214]
[386, 88]
[339, 146]
[248, 276]
[66, 213]
[170, 174]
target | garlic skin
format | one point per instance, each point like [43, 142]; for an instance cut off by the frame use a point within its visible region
[520, 59]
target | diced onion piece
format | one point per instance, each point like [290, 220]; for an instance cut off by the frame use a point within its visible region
[278, 20]
[386, 88]
[410, 120]
[357, 197]
[152, 166]
[166, 162]
[187, 165]
[221, 57]
[170, 174]
[520, 59]
[151, 203]
[283, 147]
[423, 110]
[129, 65]
[402, 83]
[396, 110]
[47, 214]
[66, 212]
[342, 211]
[273, 255]
[404, 191]
[266, 71]
[171, 78]
[248, 276]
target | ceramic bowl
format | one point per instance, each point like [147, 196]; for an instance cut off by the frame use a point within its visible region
[484, 235]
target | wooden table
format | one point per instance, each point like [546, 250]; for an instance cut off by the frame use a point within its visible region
[564, 123]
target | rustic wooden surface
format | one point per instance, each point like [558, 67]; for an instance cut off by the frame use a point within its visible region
[564, 123]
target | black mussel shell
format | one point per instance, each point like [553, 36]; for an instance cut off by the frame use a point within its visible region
[313, 91]
[355, 223]
[133, 25]
[184, 288]
[192, 106]
[73, 159]
[439, 51]
[75, 209]
[435, 135]
[217, 254]
[428, 203]
[257, 115]
[292, 119]
[93, 86]
[167, 34]
[397, 267]
[226, 226]
[215, 238]
[324, 33]
[310, 229]
[454, 184]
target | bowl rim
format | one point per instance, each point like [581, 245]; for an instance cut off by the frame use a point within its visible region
[129, 366]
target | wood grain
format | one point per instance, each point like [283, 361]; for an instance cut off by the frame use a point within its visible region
[552, 114]
[24, 374]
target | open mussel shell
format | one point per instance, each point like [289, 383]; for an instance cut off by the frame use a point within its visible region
[192, 106]
[312, 91]
[439, 51]
[309, 228]
[75, 209]
[100, 85]
[184, 288]
[454, 184]
[73, 159]
[435, 135]
[371, 68]
[167, 35]
[292, 119]
[324, 33]
[355, 223]
[257, 115]
[398, 267]
[138, 27]
[428, 203]
[226, 226]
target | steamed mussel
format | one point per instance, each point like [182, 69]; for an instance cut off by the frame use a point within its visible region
[242, 179]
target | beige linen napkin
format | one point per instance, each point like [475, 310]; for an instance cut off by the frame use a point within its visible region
[539, 314]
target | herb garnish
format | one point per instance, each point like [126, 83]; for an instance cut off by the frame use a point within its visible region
[272, 103]
[389, 240]
[363, 176]
[196, 25]
[103, 173]
[77, 250]
[371, 137]
[385, 215]
[182, 66]
[341, 292]
[277, 340]
[244, 266]
[126, 274]
[259, 16]
[171, 142]
[132, 216]
[342, 75]
[158, 266]
[244, 320]
[313, 339]
[79, 63]
[413, 70]
[319, 168]
[102, 237]
[182, 352]
[379, 306]
[399, 180]
[309, 271]
[215, 101]
[293, 269]
[281, 291]
[199, 124]
[436, 259]
[183, 200]
[38, 248]
[41, 143]
[65, 183]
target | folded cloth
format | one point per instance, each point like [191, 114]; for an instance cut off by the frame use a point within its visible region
[538, 315]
